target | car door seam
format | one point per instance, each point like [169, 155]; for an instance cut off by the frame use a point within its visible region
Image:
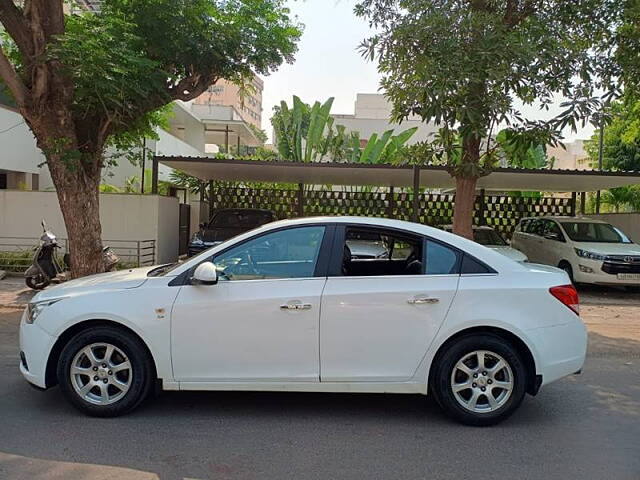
[326, 279]
[444, 319]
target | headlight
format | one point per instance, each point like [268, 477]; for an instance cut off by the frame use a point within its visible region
[34, 309]
[590, 255]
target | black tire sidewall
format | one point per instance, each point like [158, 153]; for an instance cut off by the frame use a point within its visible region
[33, 284]
[566, 266]
[131, 346]
[441, 380]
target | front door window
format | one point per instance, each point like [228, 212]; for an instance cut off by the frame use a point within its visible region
[291, 253]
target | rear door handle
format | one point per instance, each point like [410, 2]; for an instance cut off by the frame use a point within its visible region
[295, 306]
[423, 301]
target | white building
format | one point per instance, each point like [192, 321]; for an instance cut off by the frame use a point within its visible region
[193, 131]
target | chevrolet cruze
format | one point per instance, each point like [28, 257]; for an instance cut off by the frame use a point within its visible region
[289, 307]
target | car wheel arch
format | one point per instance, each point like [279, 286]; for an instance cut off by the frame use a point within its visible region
[51, 378]
[533, 383]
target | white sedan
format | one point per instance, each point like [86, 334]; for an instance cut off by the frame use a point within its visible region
[287, 307]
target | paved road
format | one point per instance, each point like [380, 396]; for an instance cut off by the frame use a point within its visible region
[584, 427]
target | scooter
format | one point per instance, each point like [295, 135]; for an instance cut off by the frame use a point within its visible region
[47, 268]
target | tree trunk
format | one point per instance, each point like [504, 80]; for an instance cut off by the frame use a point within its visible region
[464, 205]
[466, 180]
[78, 196]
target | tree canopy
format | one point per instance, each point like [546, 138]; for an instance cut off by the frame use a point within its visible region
[463, 64]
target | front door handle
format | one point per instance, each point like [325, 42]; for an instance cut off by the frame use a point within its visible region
[295, 306]
[423, 301]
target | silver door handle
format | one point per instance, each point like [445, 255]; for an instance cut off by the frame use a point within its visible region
[296, 306]
[422, 300]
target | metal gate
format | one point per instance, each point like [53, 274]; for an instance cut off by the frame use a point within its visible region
[184, 228]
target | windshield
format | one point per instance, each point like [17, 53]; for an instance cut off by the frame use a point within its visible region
[594, 232]
[486, 236]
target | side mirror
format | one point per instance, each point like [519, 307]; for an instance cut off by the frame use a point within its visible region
[205, 274]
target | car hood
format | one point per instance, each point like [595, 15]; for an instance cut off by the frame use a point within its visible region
[119, 280]
[609, 248]
[510, 252]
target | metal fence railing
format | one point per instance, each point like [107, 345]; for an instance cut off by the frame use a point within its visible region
[16, 253]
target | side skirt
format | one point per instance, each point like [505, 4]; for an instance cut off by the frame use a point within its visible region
[346, 387]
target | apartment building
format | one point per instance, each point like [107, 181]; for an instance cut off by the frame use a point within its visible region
[572, 157]
[227, 94]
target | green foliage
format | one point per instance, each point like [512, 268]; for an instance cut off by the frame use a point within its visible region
[305, 133]
[463, 65]
[628, 40]
[15, 261]
[622, 198]
[621, 143]
[522, 150]
[134, 57]
[259, 133]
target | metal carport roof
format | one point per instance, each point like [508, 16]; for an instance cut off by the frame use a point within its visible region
[501, 179]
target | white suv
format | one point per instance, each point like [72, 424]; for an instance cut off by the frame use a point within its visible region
[590, 251]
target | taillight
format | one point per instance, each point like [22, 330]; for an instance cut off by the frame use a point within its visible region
[568, 295]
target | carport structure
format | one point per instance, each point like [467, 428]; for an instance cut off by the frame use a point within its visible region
[399, 183]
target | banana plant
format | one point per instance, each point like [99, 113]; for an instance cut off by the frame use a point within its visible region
[381, 150]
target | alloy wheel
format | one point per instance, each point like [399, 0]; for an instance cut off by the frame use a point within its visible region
[101, 373]
[482, 381]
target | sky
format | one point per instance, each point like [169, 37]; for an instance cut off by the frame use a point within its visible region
[328, 64]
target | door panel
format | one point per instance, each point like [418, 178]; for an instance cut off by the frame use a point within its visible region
[260, 322]
[237, 331]
[373, 329]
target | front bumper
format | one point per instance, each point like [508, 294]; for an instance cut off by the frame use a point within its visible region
[594, 274]
[35, 345]
[561, 349]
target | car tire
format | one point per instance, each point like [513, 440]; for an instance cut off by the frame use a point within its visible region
[38, 282]
[105, 371]
[566, 266]
[455, 368]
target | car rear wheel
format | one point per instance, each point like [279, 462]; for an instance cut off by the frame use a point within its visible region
[479, 380]
[105, 372]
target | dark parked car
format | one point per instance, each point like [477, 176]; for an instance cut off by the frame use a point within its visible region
[228, 223]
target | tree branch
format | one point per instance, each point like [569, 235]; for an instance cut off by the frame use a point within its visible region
[13, 81]
[17, 27]
[191, 87]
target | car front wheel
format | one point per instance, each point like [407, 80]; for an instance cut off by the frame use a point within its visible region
[105, 371]
[479, 380]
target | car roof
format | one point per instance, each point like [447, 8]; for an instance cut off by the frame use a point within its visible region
[475, 227]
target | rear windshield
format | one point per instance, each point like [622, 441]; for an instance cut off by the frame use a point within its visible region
[485, 236]
[241, 219]
[594, 232]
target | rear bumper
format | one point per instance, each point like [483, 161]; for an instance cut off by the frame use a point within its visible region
[561, 350]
